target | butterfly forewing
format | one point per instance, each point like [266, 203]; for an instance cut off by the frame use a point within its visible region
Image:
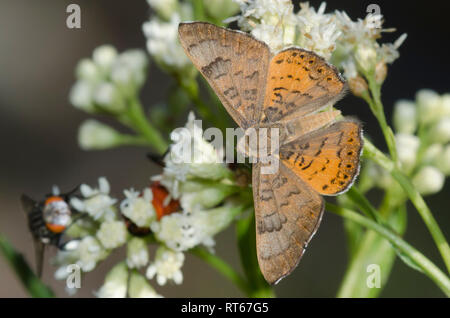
[234, 64]
[287, 214]
[298, 83]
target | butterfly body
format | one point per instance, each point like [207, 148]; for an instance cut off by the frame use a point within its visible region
[318, 150]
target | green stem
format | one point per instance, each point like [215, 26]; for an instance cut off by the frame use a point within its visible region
[363, 204]
[191, 89]
[428, 267]
[377, 108]
[30, 281]
[135, 118]
[223, 268]
[376, 155]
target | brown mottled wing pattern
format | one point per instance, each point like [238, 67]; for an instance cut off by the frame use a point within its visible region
[299, 82]
[327, 159]
[287, 214]
[234, 64]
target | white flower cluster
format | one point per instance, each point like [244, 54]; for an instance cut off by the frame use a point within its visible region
[188, 205]
[190, 182]
[161, 31]
[351, 45]
[423, 140]
[107, 79]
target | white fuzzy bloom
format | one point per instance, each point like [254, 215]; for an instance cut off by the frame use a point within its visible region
[116, 282]
[407, 147]
[200, 196]
[318, 30]
[388, 52]
[140, 288]
[191, 156]
[440, 131]
[81, 96]
[137, 253]
[366, 57]
[429, 106]
[93, 134]
[443, 161]
[405, 117]
[182, 231]
[104, 56]
[129, 69]
[428, 180]
[112, 234]
[166, 266]
[97, 203]
[138, 209]
[90, 251]
[163, 44]
[270, 21]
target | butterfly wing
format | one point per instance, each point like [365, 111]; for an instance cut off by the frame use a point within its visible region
[234, 64]
[35, 224]
[328, 158]
[299, 82]
[287, 214]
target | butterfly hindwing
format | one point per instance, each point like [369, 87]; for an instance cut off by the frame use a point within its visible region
[287, 214]
[234, 64]
[327, 159]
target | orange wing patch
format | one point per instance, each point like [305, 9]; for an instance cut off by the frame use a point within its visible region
[327, 159]
[299, 82]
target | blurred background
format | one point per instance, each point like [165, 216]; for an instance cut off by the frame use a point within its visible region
[38, 136]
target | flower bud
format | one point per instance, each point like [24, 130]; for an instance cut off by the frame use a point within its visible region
[109, 98]
[93, 135]
[405, 117]
[380, 72]
[112, 234]
[81, 96]
[429, 106]
[443, 161]
[87, 70]
[164, 8]
[140, 288]
[428, 180]
[104, 56]
[440, 132]
[445, 105]
[221, 9]
[433, 152]
[366, 58]
[407, 146]
[116, 281]
[358, 85]
[137, 253]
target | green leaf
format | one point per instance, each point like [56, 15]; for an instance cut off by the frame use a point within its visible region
[30, 281]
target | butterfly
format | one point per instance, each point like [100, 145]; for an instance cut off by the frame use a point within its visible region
[319, 153]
